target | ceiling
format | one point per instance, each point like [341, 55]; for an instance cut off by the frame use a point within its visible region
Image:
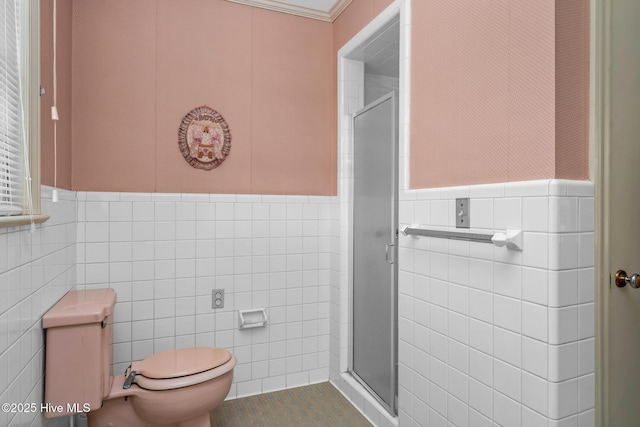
[323, 10]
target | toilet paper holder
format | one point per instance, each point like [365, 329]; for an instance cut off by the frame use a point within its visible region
[252, 318]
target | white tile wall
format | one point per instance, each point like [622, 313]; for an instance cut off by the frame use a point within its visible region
[36, 269]
[511, 333]
[165, 253]
[376, 86]
[488, 336]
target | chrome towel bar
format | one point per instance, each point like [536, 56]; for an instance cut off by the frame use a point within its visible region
[443, 234]
[512, 239]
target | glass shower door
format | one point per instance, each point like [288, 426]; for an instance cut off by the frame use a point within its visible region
[374, 325]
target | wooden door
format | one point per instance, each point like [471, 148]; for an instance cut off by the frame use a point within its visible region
[618, 210]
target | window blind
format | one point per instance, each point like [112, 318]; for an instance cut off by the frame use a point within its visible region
[11, 110]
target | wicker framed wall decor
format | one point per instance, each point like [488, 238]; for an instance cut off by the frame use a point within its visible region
[204, 138]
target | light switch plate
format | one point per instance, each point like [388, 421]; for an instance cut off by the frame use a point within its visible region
[462, 213]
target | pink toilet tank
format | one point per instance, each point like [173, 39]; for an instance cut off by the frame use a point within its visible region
[78, 352]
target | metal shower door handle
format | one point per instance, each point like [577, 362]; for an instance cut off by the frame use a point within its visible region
[390, 253]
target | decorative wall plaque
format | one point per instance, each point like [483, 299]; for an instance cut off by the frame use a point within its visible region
[204, 138]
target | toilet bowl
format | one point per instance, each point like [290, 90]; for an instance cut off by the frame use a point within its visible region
[175, 388]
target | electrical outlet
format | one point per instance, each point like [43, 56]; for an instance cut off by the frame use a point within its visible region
[217, 298]
[462, 213]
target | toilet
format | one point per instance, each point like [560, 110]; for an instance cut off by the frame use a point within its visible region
[176, 388]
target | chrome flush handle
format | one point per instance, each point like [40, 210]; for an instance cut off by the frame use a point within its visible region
[129, 380]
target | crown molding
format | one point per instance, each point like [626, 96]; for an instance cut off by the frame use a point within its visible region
[337, 8]
[306, 12]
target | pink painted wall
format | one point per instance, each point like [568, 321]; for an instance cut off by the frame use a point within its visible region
[572, 89]
[499, 91]
[293, 97]
[64, 92]
[139, 67]
[354, 18]
[114, 87]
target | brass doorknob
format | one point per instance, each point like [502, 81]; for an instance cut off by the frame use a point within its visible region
[622, 279]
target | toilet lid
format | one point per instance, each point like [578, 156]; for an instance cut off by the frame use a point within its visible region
[182, 362]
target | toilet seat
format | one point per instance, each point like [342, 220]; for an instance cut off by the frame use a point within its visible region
[182, 367]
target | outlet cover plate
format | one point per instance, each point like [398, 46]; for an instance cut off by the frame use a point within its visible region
[217, 298]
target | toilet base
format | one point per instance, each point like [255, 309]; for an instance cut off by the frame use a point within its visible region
[116, 412]
[120, 413]
[180, 407]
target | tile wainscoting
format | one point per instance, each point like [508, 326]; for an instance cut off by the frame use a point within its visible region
[487, 335]
[165, 253]
[36, 270]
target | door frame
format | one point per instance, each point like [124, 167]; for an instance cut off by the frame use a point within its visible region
[348, 83]
[600, 112]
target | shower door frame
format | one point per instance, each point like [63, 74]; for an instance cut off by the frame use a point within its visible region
[393, 277]
[350, 83]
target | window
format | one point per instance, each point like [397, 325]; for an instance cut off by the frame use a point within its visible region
[11, 121]
[19, 108]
